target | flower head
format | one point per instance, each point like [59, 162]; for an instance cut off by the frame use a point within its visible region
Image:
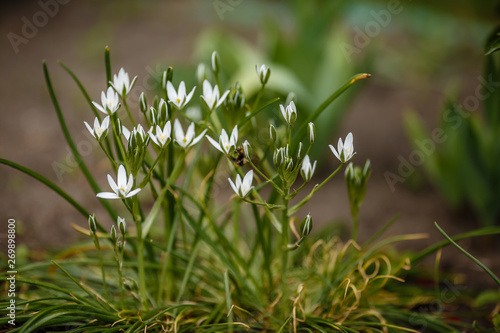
[307, 169]
[312, 132]
[226, 144]
[109, 101]
[161, 137]
[178, 98]
[186, 140]
[121, 83]
[263, 72]
[242, 188]
[345, 151]
[100, 130]
[212, 97]
[122, 187]
[289, 113]
[122, 225]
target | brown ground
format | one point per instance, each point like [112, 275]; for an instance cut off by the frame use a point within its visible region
[30, 134]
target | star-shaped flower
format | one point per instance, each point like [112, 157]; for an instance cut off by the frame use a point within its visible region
[186, 140]
[122, 188]
[241, 188]
[109, 101]
[178, 98]
[100, 130]
[345, 151]
[226, 144]
[212, 97]
[121, 83]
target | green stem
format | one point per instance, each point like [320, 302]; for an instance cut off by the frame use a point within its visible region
[480, 264]
[111, 159]
[259, 95]
[128, 111]
[71, 144]
[355, 226]
[236, 221]
[103, 272]
[140, 263]
[120, 273]
[284, 256]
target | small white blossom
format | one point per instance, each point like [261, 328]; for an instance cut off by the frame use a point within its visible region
[188, 139]
[162, 137]
[345, 151]
[242, 188]
[226, 144]
[136, 130]
[211, 96]
[263, 72]
[122, 187]
[109, 101]
[289, 113]
[215, 62]
[307, 170]
[312, 133]
[179, 98]
[122, 225]
[121, 83]
[100, 130]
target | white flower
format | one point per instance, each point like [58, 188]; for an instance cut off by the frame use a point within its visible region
[110, 102]
[136, 130]
[289, 113]
[188, 139]
[345, 151]
[312, 133]
[100, 130]
[226, 144]
[211, 96]
[122, 225]
[263, 72]
[162, 137]
[242, 188]
[178, 98]
[121, 83]
[121, 189]
[307, 169]
[215, 62]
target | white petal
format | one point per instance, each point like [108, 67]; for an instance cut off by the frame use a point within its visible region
[178, 131]
[188, 97]
[334, 152]
[222, 98]
[247, 181]
[100, 108]
[234, 135]
[105, 123]
[89, 128]
[190, 133]
[235, 189]
[198, 138]
[172, 94]
[207, 89]
[107, 195]
[182, 90]
[112, 184]
[121, 178]
[132, 193]
[214, 143]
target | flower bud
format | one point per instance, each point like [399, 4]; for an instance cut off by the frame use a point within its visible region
[263, 72]
[92, 224]
[215, 62]
[299, 150]
[307, 170]
[306, 225]
[200, 73]
[312, 132]
[142, 103]
[113, 234]
[122, 225]
[272, 133]
[247, 150]
[164, 81]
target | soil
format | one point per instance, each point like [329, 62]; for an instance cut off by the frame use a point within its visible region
[142, 35]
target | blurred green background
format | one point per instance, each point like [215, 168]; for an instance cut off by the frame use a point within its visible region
[420, 53]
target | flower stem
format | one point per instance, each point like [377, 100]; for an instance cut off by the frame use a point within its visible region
[284, 255]
[99, 254]
[128, 112]
[140, 263]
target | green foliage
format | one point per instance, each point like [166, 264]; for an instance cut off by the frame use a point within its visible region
[195, 264]
[464, 166]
